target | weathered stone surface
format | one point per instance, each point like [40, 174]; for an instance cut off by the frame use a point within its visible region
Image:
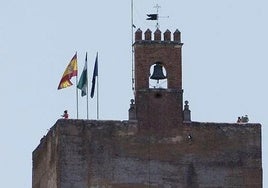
[82, 154]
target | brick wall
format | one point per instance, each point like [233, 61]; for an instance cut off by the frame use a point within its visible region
[148, 52]
[158, 108]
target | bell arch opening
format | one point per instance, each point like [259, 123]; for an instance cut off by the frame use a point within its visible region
[158, 76]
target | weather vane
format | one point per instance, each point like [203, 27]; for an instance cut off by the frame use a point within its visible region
[155, 16]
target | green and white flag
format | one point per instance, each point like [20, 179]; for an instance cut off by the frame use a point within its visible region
[82, 84]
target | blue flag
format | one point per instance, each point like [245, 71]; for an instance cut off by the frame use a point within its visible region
[95, 74]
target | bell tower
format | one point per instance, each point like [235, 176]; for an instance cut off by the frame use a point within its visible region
[158, 80]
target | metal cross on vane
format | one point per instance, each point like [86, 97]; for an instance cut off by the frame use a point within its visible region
[154, 16]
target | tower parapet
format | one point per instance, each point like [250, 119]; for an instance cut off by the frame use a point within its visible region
[157, 36]
[167, 36]
[138, 35]
[177, 36]
[148, 34]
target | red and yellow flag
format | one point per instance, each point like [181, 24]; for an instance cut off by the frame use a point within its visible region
[69, 72]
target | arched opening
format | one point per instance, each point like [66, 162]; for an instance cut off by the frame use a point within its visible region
[158, 76]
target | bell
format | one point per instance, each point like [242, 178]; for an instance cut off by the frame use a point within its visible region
[158, 73]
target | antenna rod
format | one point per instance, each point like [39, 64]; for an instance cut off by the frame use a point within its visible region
[132, 49]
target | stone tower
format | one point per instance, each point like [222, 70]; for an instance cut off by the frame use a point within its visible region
[158, 107]
[159, 146]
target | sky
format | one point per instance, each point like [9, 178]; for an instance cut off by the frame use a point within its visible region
[224, 65]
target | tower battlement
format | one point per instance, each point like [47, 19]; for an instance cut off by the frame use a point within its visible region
[157, 36]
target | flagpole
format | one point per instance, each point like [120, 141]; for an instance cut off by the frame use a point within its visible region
[76, 91]
[94, 80]
[76, 99]
[98, 95]
[87, 84]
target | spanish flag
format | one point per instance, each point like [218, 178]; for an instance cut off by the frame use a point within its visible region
[69, 72]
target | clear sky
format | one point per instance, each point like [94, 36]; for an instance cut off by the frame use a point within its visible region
[225, 65]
